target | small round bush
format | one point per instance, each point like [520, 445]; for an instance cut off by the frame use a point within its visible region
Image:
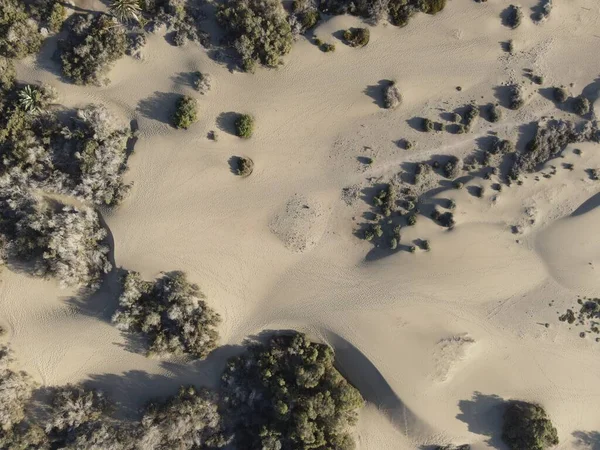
[527, 426]
[186, 113]
[244, 126]
[245, 166]
[495, 114]
[357, 37]
[326, 47]
[581, 105]
[514, 16]
[560, 94]
[391, 96]
[427, 125]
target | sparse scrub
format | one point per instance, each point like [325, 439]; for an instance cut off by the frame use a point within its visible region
[15, 391]
[581, 105]
[189, 420]
[258, 30]
[391, 96]
[545, 8]
[93, 45]
[502, 147]
[452, 167]
[513, 16]
[326, 47]
[171, 312]
[471, 115]
[287, 393]
[526, 425]
[357, 37]
[244, 126]
[186, 112]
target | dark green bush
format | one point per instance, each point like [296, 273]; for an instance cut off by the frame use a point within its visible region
[93, 44]
[427, 125]
[357, 37]
[513, 16]
[527, 426]
[288, 394]
[186, 112]
[560, 94]
[244, 126]
[258, 30]
[326, 47]
[19, 35]
[431, 6]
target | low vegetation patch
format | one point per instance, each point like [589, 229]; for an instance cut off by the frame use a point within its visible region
[513, 16]
[391, 96]
[258, 30]
[287, 393]
[516, 97]
[19, 33]
[186, 112]
[170, 312]
[244, 166]
[93, 44]
[244, 126]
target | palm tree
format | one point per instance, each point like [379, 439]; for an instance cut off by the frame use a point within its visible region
[125, 10]
[30, 99]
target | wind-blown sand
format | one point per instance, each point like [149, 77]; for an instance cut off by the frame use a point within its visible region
[400, 323]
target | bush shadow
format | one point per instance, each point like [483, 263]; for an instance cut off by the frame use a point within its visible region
[160, 106]
[376, 92]
[483, 416]
[226, 122]
[588, 440]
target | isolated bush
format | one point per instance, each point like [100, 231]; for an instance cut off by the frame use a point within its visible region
[581, 105]
[514, 16]
[545, 8]
[495, 114]
[258, 30]
[187, 421]
[326, 47]
[171, 312]
[560, 94]
[186, 112]
[391, 96]
[431, 6]
[202, 82]
[357, 37]
[244, 126]
[245, 166]
[93, 44]
[19, 35]
[287, 394]
[527, 426]
[516, 96]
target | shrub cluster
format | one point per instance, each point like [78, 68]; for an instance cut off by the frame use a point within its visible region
[391, 96]
[94, 43]
[58, 240]
[181, 17]
[258, 30]
[550, 139]
[203, 82]
[288, 394]
[171, 312]
[244, 126]
[527, 425]
[386, 200]
[357, 37]
[19, 34]
[305, 16]
[186, 112]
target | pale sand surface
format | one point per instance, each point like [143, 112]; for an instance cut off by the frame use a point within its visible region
[434, 340]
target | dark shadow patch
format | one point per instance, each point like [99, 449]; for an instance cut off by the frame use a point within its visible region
[416, 123]
[527, 132]
[483, 415]
[185, 79]
[226, 122]
[503, 95]
[160, 106]
[590, 204]
[588, 440]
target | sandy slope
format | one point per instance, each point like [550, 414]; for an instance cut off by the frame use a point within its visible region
[397, 322]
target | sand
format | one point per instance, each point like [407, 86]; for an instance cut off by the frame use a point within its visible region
[435, 340]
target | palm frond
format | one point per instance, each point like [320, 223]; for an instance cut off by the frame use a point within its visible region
[126, 10]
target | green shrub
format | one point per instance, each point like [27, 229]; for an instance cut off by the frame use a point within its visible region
[93, 44]
[309, 19]
[186, 112]
[326, 47]
[171, 312]
[244, 126]
[19, 35]
[7, 74]
[431, 6]
[427, 125]
[527, 426]
[258, 30]
[288, 394]
[357, 37]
